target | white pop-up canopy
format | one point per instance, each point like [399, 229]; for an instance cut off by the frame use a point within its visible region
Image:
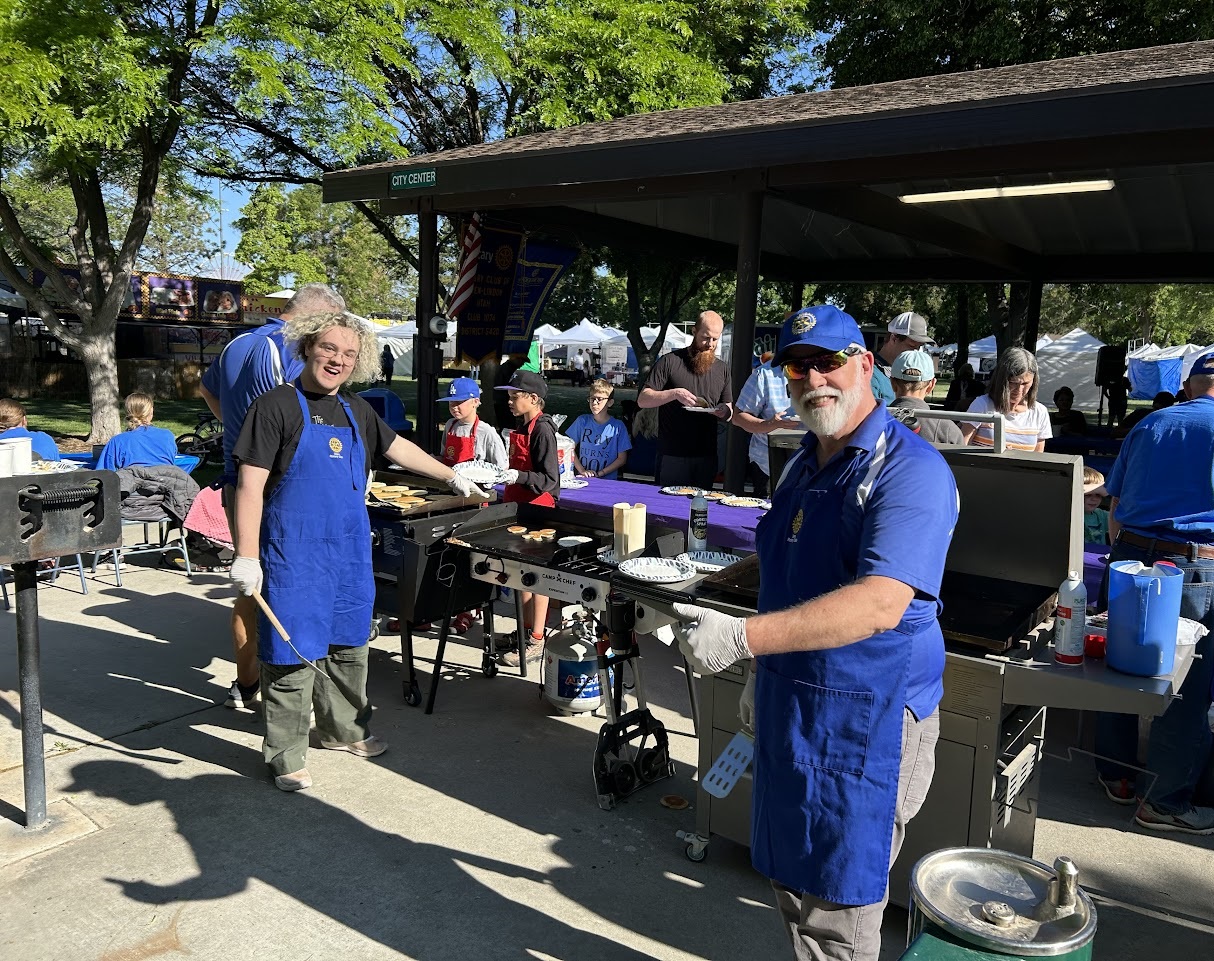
[585, 334]
[1070, 361]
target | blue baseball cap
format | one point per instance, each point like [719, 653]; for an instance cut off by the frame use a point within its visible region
[821, 326]
[1203, 366]
[462, 388]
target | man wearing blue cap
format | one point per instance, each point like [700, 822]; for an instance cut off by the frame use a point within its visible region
[846, 650]
[1162, 485]
[466, 437]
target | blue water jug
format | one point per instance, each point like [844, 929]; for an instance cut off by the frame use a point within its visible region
[1144, 612]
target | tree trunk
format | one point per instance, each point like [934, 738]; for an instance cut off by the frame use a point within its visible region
[1017, 316]
[101, 367]
[996, 311]
[963, 327]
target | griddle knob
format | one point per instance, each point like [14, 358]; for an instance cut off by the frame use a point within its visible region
[481, 568]
[589, 594]
[529, 579]
[375, 538]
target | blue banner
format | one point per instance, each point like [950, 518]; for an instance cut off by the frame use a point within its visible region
[539, 269]
[481, 324]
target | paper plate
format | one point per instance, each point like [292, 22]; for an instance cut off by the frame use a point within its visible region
[607, 556]
[479, 472]
[717, 495]
[573, 540]
[573, 483]
[753, 502]
[700, 410]
[708, 561]
[681, 490]
[657, 570]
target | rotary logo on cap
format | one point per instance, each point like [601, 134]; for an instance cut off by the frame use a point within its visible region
[804, 323]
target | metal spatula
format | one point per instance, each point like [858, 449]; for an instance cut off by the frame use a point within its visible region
[728, 769]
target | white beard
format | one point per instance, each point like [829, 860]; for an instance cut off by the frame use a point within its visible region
[831, 419]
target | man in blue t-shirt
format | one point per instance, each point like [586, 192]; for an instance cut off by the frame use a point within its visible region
[1162, 485]
[250, 365]
[13, 425]
[602, 442]
[847, 651]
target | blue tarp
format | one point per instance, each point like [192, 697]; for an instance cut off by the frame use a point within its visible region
[1150, 377]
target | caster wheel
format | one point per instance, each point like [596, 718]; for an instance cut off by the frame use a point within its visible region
[696, 853]
[624, 778]
[374, 631]
[489, 667]
[413, 696]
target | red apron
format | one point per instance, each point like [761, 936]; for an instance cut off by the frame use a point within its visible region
[520, 460]
[457, 450]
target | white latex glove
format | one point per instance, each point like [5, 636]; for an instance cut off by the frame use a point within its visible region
[246, 575]
[746, 703]
[711, 641]
[465, 488]
[510, 477]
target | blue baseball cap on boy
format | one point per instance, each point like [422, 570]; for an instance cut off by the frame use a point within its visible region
[1203, 366]
[462, 388]
[821, 326]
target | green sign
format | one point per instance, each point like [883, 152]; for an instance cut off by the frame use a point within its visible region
[413, 180]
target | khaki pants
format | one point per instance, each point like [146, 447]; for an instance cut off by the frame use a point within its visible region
[822, 931]
[343, 712]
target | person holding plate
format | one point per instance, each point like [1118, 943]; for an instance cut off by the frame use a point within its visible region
[846, 655]
[695, 377]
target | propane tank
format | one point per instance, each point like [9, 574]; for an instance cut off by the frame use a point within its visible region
[571, 672]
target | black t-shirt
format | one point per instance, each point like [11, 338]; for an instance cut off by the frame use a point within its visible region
[274, 424]
[683, 434]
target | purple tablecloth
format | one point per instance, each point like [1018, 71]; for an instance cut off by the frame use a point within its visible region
[732, 528]
[1093, 569]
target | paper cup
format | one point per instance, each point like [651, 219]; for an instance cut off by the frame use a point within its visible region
[20, 454]
[6, 460]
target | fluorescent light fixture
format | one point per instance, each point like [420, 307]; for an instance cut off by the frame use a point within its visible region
[1020, 190]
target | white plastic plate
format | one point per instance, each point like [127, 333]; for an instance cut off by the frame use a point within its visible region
[657, 570]
[573, 483]
[479, 472]
[708, 561]
[754, 502]
[680, 490]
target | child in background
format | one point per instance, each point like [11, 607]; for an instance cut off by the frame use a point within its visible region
[602, 443]
[466, 437]
[532, 478]
[1095, 520]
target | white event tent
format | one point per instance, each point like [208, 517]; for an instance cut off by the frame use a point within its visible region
[1154, 369]
[1070, 361]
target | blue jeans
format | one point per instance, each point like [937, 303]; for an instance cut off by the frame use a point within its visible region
[1180, 737]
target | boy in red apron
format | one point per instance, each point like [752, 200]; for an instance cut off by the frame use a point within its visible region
[533, 478]
[467, 438]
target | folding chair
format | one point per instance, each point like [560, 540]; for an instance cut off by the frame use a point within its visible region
[165, 525]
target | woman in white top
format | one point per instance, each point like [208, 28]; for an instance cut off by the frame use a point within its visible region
[1013, 393]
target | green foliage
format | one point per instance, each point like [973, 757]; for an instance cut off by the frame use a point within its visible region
[292, 233]
[1165, 314]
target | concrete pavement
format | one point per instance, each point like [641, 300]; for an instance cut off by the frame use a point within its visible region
[476, 835]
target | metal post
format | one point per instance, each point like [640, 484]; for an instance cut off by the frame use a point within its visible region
[25, 574]
[425, 366]
[744, 308]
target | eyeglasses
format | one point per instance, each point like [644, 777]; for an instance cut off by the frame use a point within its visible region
[330, 351]
[799, 367]
[600, 398]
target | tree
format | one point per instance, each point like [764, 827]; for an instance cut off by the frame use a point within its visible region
[92, 94]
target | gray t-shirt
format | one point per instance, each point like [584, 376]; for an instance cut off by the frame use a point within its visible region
[938, 432]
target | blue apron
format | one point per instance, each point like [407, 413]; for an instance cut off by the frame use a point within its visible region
[316, 546]
[828, 724]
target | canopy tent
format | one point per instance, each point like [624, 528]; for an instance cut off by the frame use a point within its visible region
[986, 347]
[399, 340]
[584, 334]
[1070, 361]
[545, 333]
[1154, 370]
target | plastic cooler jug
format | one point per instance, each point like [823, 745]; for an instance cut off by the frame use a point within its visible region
[1144, 612]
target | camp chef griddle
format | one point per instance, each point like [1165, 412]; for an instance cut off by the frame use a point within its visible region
[439, 497]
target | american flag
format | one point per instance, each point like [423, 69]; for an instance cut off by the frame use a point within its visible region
[467, 270]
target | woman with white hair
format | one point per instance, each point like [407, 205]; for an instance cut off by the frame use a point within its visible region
[1013, 393]
[302, 534]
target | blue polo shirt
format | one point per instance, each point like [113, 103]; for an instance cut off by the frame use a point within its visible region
[899, 508]
[40, 443]
[253, 363]
[1164, 475]
[599, 444]
[145, 446]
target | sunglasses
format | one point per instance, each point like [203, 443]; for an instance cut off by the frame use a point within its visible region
[799, 368]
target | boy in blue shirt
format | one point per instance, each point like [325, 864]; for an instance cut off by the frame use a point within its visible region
[602, 442]
[13, 425]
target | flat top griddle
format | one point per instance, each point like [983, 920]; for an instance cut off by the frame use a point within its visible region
[991, 613]
[439, 496]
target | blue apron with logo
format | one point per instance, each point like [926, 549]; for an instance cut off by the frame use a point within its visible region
[316, 546]
[828, 724]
